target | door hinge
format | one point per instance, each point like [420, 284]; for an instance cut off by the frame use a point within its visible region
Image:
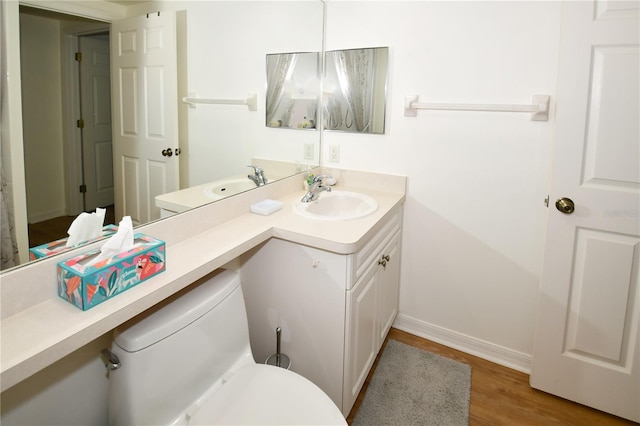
[79, 56]
[83, 188]
[80, 123]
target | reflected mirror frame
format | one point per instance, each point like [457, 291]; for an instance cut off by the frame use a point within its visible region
[338, 109]
[293, 90]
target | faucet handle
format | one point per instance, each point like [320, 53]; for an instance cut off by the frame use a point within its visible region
[257, 170]
[319, 178]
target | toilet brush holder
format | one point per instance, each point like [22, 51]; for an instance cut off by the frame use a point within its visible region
[278, 359]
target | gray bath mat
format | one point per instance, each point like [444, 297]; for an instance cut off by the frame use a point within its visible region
[414, 387]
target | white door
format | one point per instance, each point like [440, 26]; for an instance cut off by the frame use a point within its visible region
[145, 117]
[95, 93]
[588, 334]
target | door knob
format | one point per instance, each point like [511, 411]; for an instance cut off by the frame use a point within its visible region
[167, 152]
[565, 205]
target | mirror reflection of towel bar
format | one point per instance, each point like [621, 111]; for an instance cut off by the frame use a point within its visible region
[539, 108]
[251, 101]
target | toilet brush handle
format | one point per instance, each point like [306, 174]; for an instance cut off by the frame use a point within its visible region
[278, 333]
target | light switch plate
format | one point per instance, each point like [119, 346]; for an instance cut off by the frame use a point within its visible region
[308, 151]
[334, 153]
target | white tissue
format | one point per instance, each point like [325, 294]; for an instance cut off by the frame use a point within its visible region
[120, 242]
[85, 227]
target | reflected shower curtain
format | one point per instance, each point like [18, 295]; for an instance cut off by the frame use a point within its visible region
[8, 245]
[355, 75]
[279, 69]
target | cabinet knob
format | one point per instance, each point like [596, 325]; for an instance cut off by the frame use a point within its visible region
[383, 260]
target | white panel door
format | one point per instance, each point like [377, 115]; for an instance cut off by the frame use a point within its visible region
[587, 336]
[97, 149]
[145, 113]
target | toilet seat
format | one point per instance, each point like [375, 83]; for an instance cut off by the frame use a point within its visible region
[268, 395]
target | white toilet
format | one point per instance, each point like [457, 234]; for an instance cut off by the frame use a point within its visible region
[189, 362]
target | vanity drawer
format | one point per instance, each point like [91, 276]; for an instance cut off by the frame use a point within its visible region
[363, 258]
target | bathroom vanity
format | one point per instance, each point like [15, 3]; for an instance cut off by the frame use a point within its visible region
[334, 309]
[39, 328]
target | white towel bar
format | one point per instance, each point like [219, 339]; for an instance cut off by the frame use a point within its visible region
[251, 101]
[539, 108]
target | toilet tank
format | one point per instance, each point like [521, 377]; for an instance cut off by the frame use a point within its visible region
[171, 354]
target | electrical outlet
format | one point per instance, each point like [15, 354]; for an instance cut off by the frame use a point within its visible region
[308, 151]
[334, 153]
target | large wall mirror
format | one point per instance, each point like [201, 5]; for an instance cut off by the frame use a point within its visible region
[354, 90]
[226, 43]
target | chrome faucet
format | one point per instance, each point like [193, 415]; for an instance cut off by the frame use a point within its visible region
[258, 176]
[315, 188]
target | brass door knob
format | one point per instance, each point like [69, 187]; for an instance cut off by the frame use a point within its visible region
[167, 152]
[565, 205]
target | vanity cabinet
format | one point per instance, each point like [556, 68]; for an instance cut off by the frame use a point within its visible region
[372, 305]
[335, 310]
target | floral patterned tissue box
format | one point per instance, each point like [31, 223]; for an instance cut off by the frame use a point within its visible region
[86, 285]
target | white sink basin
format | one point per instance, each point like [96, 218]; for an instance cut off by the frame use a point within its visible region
[228, 187]
[337, 205]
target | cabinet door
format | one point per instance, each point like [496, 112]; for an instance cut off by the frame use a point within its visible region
[361, 335]
[388, 284]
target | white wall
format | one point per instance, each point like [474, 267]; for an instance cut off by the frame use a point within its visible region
[42, 116]
[475, 218]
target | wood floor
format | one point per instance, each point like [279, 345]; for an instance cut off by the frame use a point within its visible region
[56, 228]
[502, 396]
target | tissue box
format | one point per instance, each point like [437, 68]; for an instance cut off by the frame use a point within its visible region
[87, 285]
[60, 246]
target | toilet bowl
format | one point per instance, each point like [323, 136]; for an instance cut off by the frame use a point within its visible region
[188, 362]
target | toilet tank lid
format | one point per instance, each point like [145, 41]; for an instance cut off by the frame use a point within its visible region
[177, 312]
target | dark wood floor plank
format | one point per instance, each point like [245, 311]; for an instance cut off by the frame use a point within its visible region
[56, 228]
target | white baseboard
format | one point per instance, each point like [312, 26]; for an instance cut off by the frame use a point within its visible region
[41, 216]
[491, 352]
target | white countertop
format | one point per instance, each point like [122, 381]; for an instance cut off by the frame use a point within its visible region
[38, 327]
[195, 196]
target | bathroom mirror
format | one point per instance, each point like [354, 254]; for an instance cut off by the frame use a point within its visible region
[293, 89]
[354, 90]
[226, 46]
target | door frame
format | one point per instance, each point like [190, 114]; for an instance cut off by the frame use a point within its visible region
[74, 199]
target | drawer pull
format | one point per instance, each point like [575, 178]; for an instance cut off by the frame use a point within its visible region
[383, 260]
